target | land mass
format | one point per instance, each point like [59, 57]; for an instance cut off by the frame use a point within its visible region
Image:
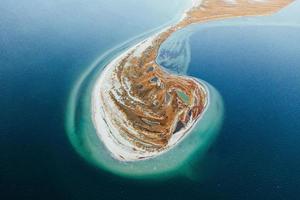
[139, 109]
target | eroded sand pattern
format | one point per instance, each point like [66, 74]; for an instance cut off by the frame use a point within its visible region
[139, 109]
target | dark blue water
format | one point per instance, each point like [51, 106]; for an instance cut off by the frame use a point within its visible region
[45, 47]
[257, 71]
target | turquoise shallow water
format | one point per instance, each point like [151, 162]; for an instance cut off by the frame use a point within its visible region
[256, 153]
[176, 162]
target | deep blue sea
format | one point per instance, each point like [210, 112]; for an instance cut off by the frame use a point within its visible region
[45, 46]
[257, 71]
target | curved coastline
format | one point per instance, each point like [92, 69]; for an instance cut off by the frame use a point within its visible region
[168, 163]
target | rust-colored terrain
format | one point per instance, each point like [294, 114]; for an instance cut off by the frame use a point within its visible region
[155, 104]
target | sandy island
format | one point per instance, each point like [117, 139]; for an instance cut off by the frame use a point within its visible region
[141, 111]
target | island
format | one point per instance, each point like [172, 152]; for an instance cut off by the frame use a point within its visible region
[139, 109]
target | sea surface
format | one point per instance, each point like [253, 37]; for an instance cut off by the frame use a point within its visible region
[46, 46]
